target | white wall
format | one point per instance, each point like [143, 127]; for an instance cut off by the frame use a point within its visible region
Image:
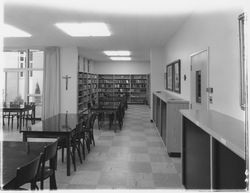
[121, 67]
[219, 32]
[69, 66]
[157, 61]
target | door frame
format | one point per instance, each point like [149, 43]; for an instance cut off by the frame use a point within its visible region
[207, 74]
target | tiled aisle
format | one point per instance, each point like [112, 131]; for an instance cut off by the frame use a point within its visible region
[133, 158]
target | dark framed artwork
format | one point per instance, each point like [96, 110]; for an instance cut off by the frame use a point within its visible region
[173, 76]
[169, 77]
[177, 76]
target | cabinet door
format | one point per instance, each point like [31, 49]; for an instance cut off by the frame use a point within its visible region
[228, 168]
[163, 121]
[173, 131]
[196, 157]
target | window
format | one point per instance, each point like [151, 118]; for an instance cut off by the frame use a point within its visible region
[243, 69]
[24, 77]
[198, 86]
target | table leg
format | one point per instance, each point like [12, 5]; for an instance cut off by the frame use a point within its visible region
[24, 137]
[115, 120]
[68, 154]
[20, 120]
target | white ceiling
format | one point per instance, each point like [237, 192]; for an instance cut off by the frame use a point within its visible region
[136, 26]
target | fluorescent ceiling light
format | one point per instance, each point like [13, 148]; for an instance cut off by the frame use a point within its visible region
[121, 58]
[11, 31]
[117, 53]
[84, 29]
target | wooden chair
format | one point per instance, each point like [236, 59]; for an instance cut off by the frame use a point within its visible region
[81, 137]
[30, 114]
[88, 130]
[48, 171]
[75, 145]
[25, 174]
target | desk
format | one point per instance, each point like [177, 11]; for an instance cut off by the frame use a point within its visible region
[19, 110]
[107, 109]
[60, 125]
[16, 154]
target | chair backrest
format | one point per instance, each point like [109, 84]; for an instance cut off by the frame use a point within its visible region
[78, 130]
[49, 154]
[27, 173]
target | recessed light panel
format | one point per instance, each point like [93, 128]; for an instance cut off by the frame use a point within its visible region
[121, 58]
[117, 53]
[84, 29]
[11, 31]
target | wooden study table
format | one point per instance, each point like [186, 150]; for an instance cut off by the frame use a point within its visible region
[61, 125]
[111, 110]
[20, 111]
[16, 154]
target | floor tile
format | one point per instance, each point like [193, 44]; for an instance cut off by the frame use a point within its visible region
[144, 167]
[171, 181]
[166, 168]
[140, 180]
[86, 178]
[114, 179]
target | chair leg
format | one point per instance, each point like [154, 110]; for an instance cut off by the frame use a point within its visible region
[73, 158]
[79, 153]
[83, 149]
[41, 184]
[92, 138]
[12, 122]
[8, 119]
[62, 154]
[88, 144]
[52, 181]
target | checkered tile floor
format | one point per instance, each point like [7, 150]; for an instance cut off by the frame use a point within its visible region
[133, 158]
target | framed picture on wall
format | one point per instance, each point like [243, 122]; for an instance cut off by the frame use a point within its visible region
[169, 77]
[173, 76]
[177, 76]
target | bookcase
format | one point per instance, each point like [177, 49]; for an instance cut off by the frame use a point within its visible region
[87, 87]
[114, 86]
[138, 92]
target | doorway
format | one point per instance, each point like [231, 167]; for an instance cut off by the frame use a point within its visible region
[199, 80]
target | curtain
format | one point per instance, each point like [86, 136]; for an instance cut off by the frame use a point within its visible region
[51, 82]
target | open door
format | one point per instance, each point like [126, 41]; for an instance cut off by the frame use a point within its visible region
[199, 80]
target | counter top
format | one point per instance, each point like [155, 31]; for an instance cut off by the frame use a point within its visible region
[168, 98]
[227, 130]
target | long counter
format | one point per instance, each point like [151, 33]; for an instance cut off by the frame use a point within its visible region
[213, 151]
[227, 130]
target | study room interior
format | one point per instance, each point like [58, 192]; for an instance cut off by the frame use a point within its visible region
[124, 95]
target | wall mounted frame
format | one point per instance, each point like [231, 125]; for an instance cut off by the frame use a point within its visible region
[173, 76]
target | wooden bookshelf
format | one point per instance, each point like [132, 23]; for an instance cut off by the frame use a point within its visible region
[87, 87]
[115, 86]
[138, 92]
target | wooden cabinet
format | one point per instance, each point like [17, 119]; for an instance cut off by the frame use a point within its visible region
[213, 151]
[167, 119]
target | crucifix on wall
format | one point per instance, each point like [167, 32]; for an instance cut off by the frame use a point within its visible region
[66, 78]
